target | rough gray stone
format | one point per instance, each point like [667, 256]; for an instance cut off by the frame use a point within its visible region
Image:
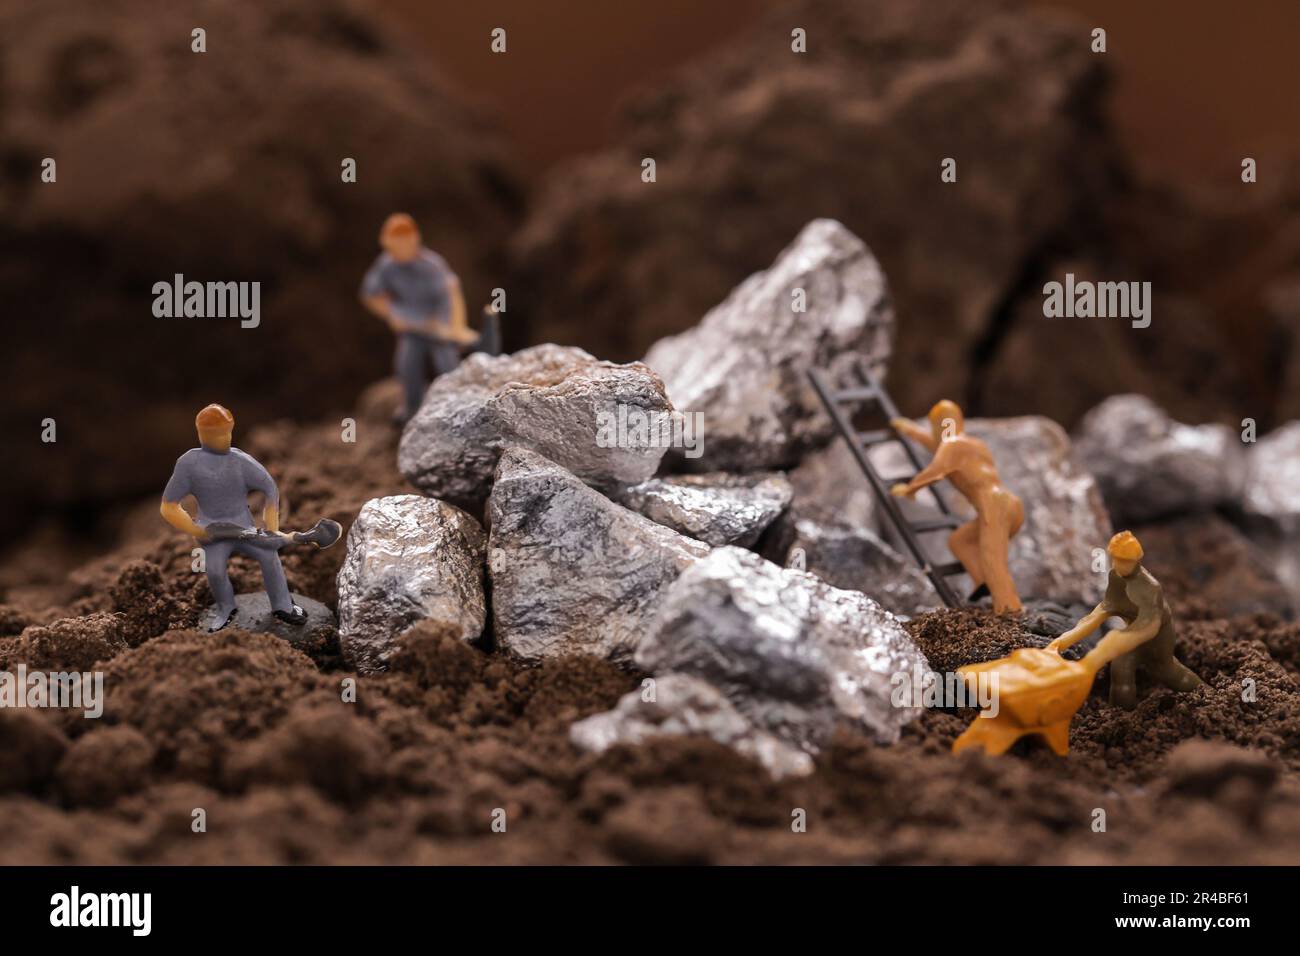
[572, 571]
[830, 487]
[556, 400]
[1150, 466]
[855, 559]
[1272, 489]
[253, 613]
[409, 559]
[793, 654]
[744, 366]
[1271, 501]
[716, 508]
[687, 706]
[1065, 518]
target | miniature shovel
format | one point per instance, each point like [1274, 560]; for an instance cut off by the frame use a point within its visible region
[324, 533]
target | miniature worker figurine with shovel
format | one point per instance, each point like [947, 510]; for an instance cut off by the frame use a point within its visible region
[220, 478]
[980, 545]
[1038, 691]
[414, 290]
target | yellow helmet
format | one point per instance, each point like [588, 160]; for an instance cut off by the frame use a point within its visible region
[1125, 546]
[946, 410]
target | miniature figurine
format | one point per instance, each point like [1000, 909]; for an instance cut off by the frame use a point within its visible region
[980, 545]
[1132, 593]
[414, 290]
[220, 478]
[1039, 691]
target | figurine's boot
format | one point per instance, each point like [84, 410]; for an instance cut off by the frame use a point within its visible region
[295, 616]
[220, 619]
[325, 532]
[1174, 675]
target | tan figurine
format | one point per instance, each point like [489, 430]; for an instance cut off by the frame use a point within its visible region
[980, 545]
[1038, 691]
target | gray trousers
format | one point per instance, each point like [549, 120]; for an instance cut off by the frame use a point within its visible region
[416, 354]
[216, 555]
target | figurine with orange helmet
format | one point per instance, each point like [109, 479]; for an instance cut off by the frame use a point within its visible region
[1147, 642]
[417, 294]
[220, 477]
[1038, 690]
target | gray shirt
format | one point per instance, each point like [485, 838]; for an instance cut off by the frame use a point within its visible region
[220, 483]
[417, 289]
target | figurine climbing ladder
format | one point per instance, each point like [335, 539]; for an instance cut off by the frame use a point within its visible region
[838, 403]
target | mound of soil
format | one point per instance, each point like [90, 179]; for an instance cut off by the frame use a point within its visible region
[460, 756]
[221, 166]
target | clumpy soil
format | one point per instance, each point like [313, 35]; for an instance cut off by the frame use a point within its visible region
[417, 770]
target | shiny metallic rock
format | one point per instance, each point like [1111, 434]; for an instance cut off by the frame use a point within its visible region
[793, 654]
[1272, 502]
[830, 487]
[744, 366]
[608, 424]
[1272, 488]
[855, 559]
[573, 572]
[409, 559]
[1066, 522]
[1149, 466]
[717, 508]
[687, 706]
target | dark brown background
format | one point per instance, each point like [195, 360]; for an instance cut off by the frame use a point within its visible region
[1199, 83]
[225, 168]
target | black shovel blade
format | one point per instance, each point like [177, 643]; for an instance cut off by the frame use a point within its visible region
[325, 532]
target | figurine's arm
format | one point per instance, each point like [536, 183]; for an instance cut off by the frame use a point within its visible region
[1087, 624]
[374, 296]
[456, 327]
[178, 486]
[180, 519]
[910, 429]
[381, 306]
[938, 469]
[257, 478]
[1118, 643]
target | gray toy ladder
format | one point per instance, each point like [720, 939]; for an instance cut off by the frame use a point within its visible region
[840, 405]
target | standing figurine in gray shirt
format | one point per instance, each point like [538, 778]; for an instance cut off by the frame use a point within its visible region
[220, 478]
[416, 293]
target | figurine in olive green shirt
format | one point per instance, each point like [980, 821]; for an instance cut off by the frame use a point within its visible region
[1147, 641]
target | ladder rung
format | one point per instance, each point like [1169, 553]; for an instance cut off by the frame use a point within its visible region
[876, 436]
[936, 524]
[948, 570]
[863, 393]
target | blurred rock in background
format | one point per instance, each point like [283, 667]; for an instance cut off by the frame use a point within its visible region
[222, 166]
[754, 140]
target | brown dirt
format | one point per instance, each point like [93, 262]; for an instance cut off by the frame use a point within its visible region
[256, 734]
